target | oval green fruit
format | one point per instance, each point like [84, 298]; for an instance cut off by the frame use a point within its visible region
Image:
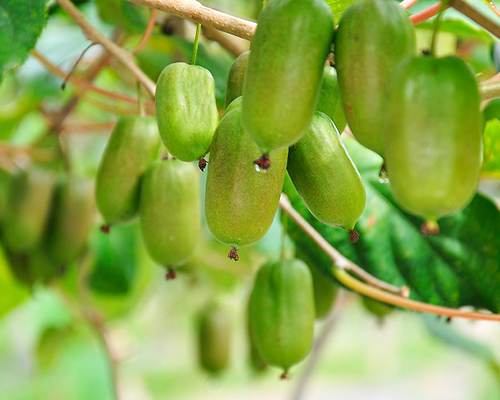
[130, 149]
[236, 103]
[170, 211]
[240, 204]
[27, 208]
[325, 176]
[284, 72]
[234, 87]
[325, 289]
[434, 137]
[214, 338]
[373, 37]
[282, 312]
[72, 219]
[330, 101]
[492, 110]
[186, 110]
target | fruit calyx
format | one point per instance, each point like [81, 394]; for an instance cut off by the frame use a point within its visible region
[353, 235]
[233, 254]
[430, 228]
[202, 164]
[170, 274]
[105, 228]
[263, 163]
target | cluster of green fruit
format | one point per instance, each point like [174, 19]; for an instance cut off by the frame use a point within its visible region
[45, 221]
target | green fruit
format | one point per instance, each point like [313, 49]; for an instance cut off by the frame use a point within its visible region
[325, 289]
[33, 267]
[73, 215]
[240, 204]
[330, 101]
[186, 110]
[27, 208]
[378, 309]
[434, 137]
[325, 176]
[256, 361]
[131, 147]
[170, 211]
[492, 110]
[373, 37]
[214, 338]
[234, 87]
[285, 69]
[236, 103]
[282, 312]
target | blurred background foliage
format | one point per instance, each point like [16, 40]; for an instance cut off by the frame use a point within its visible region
[49, 350]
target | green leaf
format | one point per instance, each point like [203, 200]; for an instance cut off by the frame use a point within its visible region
[338, 7]
[459, 27]
[21, 22]
[491, 149]
[458, 267]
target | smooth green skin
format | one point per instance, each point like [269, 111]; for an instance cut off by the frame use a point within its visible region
[330, 101]
[170, 211]
[378, 309]
[373, 37]
[72, 218]
[186, 110]
[214, 338]
[27, 208]
[240, 203]
[236, 103]
[130, 149]
[325, 176]
[325, 289]
[236, 77]
[256, 361]
[282, 312]
[285, 71]
[434, 136]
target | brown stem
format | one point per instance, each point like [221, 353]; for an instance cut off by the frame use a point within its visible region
[97, 37]
[476, 16]
[230, 43]
[408, 3]
[148, 31]
[426, 14]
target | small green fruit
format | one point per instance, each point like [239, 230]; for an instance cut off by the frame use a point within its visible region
[186, 110]
[234, 87]
[170, 211]
[330, 101]
[130, 149]
[282, 312]
[214, 337]
[240, 204]
[325, 176]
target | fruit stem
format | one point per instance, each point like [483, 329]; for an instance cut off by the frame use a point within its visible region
[437, 23]
[195, 45]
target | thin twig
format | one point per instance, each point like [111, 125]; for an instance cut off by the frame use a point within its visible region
[197, 12]
[147, 32]
[230, 43]
[372, 288]
[63, 84]
[97, 37]
[426, 14]
[104, 127]
[476, 16]
[492, 7]
[339, 260]
[406, 4]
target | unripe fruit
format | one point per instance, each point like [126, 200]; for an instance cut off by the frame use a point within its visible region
[282, 312]
[434, 137]
[72, 218]
[285, 70]
[170, 211]
[27, 208]
[373, 37]
[325, 289]
[186, 110]
[240, 204]
[236, 103]
[131, 147]
[33, 267]
[234, 87]
[214, 338]
[330, 101]
[325, 176]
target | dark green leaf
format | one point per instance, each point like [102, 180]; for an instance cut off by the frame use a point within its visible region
[459, 27]
[458, 267]
[21, 22]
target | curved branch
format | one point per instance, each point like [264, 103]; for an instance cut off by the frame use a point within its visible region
[197, 12]
[147, 32]
[97, 37]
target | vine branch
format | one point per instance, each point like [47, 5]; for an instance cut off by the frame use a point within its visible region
[97, 37]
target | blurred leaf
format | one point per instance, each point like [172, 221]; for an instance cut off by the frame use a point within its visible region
[491, 149]
[21, 22]
[458, 267]
[51, 342]
[128, 16]
[13, 292]
[338, 7]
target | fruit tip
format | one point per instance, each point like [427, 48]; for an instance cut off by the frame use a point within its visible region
[430, 228]
[263, 163]
[285, 376]
[170, 274]
[202, 164]
[353, 235]
[233, 254]
[105, 228]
